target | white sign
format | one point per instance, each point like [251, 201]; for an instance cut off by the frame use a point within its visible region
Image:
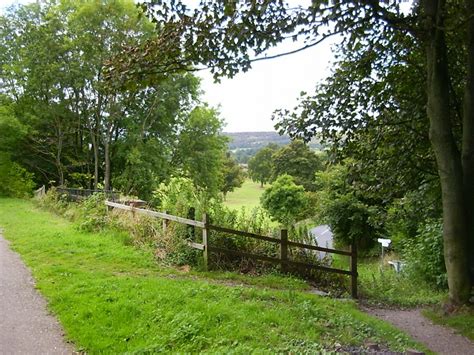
[385, 242]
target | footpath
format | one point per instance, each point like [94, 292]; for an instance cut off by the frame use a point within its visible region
[26, 327]
[437, 338]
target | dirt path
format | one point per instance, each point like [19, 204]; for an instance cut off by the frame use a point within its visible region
[437, 338]
[25, 325]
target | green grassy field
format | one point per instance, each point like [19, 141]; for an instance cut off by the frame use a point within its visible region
[114, 298]
[246, 196]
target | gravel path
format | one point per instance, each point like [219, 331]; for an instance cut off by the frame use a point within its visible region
[437, 338]
[25, 325]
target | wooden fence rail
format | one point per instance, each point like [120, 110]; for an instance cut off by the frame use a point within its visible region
[77, 194]
[283, 242]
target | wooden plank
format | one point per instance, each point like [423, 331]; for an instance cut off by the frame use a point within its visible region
[156, 214]
[244, 254]
[314, 247]
[244, 234]
[196, 245]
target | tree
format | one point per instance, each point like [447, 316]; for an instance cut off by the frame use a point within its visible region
[82, 131]
[284, 200]
[261, 164]
[234, 175]
[201, 149]
[225, 35]
[297, 160]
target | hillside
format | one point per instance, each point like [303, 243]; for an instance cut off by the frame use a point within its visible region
[244, 145]
[249, 140]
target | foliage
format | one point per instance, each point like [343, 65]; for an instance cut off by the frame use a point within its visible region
[284, 200]
[202, 149]
[405, 216]
[424, 254]
[234, 175]
[110, 297]
[297, 160]
[92, 213]
[261, 165]
[80, 131]
[15, 180]
[346, 212]
[368, 98]
[383, 286]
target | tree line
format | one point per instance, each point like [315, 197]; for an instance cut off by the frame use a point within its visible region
[62, 123]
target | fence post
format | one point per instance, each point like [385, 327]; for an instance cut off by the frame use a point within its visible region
[165, 224]
[205, 230]
[354, 269]
[192, 229]
[284, 250]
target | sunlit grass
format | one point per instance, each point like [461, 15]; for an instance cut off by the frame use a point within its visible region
[247, 196]
[114, 298]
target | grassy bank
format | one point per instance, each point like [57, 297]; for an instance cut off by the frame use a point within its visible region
[111, 297]
[248, 195]
[462, 320]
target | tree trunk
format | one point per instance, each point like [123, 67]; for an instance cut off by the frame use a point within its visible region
[96, 158]
[468, 132]
[59, 151]
[448, 158]
[107, 164]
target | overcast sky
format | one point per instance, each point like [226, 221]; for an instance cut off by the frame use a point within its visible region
[248, 100]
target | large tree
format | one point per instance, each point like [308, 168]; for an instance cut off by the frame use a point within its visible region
[229, 36]
[261, 164]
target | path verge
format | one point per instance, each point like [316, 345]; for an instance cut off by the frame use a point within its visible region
[25, 325]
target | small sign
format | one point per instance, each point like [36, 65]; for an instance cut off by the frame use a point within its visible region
[385, 242]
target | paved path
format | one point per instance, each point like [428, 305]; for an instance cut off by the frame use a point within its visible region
[439, 339]
[324, 238]
[25, 325]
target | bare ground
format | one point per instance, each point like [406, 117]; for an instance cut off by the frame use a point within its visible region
[26, 327]
[437, 338]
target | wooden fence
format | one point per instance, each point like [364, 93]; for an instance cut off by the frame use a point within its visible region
[283, 243]
[78, 194]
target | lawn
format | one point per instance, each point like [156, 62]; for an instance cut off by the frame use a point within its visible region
[248, 195]
[114, 298]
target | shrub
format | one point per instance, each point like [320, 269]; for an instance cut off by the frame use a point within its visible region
[424, 254]
[92, 213]
[15, 180]
[285, 201]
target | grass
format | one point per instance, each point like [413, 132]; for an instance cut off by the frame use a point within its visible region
[248, 196]
[113, 298]
[462, 320]
[384, 287]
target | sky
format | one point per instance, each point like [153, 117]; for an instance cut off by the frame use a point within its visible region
[247, 101]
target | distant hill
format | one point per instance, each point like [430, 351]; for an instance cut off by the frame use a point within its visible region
[255, 140]
[244, 145]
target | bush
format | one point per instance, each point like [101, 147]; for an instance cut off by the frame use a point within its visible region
[92, 213]
[424, 254]
[285, 201]
[15, 180]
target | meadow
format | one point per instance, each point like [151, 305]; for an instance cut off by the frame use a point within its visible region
[112, 297]
[248, 196]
